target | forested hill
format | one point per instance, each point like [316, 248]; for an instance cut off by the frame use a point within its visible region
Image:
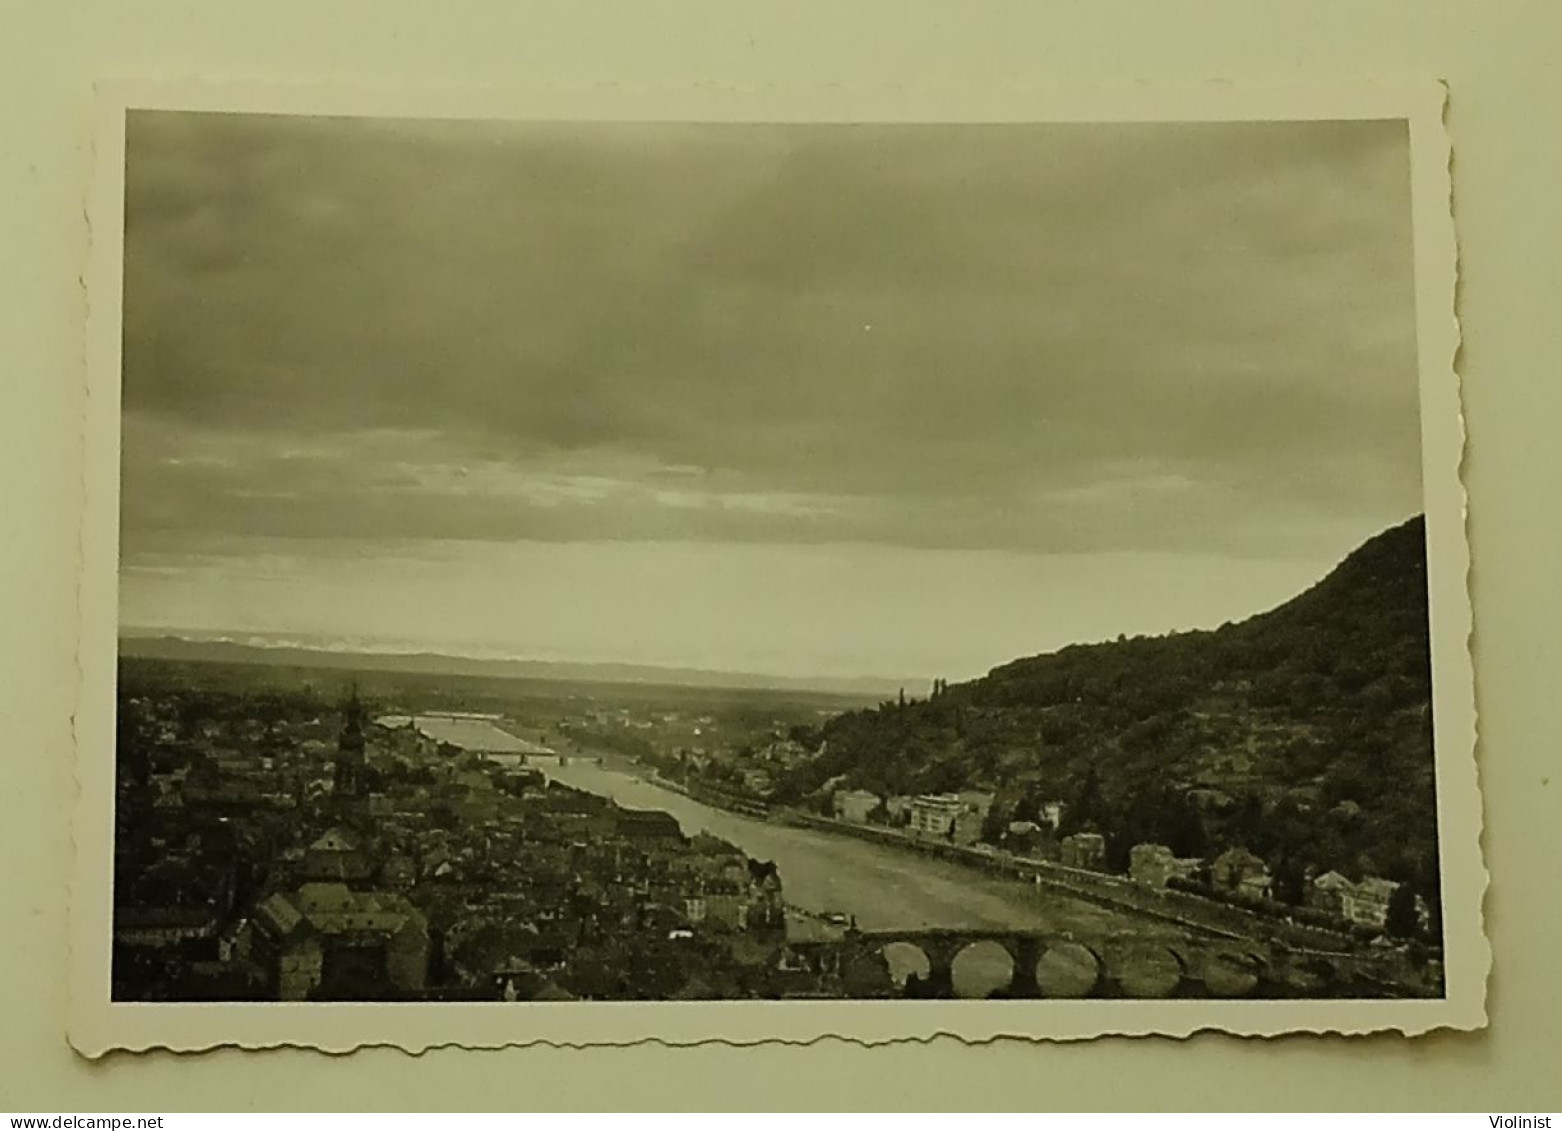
[1303, 733]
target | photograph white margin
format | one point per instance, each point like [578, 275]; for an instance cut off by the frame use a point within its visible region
[97, 1025]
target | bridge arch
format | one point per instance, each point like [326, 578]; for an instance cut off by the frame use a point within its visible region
[982, 968]
[1233, 970]
[906, 960]
[1145, 970]
[1311, 974]
[1068, 969]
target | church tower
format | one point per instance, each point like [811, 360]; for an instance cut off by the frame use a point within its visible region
[352, 778]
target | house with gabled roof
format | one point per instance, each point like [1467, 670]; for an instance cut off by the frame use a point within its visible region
[1327, 893]
[327, 940]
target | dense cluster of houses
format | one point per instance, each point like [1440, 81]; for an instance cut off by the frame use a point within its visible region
[262, 861]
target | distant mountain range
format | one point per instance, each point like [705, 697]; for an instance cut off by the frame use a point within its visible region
[1304, 732]
[150, 644]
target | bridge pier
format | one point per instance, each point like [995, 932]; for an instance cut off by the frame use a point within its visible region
[1025, 952]
[941, 955]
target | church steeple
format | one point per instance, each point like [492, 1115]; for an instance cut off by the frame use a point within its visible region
[351, 775]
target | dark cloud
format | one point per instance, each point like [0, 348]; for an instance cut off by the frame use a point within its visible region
[1028, 337]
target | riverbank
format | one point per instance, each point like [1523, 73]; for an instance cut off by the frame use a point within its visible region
[884, 886]
[1183, 909]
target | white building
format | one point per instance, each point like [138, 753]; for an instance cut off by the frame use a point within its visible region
[934, 814]
[854, 804]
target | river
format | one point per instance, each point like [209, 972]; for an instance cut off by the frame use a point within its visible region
[885, 888]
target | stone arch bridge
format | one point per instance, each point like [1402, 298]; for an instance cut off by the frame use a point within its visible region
[1052, 965]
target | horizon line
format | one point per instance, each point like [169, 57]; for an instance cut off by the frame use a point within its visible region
[276, 642]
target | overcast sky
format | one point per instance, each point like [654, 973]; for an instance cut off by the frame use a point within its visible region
[889, 400]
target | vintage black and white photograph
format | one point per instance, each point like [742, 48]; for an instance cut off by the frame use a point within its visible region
[601, 561]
